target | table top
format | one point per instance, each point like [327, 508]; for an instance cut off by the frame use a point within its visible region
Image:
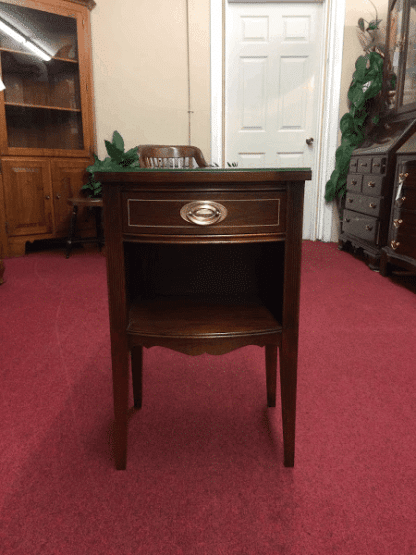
[205, 174]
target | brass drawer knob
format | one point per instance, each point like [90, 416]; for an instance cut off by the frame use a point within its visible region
[403, 176]
[394, 244]
[397, 223]
[369, 227]
[351, 200]
[353, 182]
[371, 184]
[204, 212]
[372, 205]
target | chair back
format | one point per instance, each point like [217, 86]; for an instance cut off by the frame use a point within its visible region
[163, 156]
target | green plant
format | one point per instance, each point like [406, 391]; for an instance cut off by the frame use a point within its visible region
[364, 109]
[117, 158]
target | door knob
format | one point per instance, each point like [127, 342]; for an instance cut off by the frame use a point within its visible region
[309, 141]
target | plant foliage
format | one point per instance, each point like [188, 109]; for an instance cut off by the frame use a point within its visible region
[366, 84]
[117, 158]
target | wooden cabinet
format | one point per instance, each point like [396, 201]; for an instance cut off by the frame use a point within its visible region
[400, 250]
[370, 181]
[46, 115]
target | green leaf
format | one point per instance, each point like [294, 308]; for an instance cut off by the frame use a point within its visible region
[118, 141]
[115, 153]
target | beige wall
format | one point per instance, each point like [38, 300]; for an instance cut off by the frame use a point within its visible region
[140, 69]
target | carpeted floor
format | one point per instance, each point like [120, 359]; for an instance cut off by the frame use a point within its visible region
[205, 472]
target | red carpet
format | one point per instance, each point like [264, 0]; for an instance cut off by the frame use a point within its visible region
[205, 471]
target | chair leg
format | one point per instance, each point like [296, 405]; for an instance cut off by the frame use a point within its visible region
[271, 374]
[72, 229]
[136, 370]
[288, 383]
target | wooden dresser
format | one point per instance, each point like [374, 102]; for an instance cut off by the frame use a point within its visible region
[370, 181]
[204, 261]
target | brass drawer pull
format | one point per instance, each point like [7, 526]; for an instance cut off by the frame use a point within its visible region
[372, 205]
[354, 182]
[204, 212]
[369, 227]
[394, 244]
[376, 164]
[397, 223]
[403, 176]
[364, 164]
[371, 184]
[351, 200]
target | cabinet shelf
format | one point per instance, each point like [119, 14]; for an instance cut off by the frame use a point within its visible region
[31, 55]
[20, 105]
[198, 317]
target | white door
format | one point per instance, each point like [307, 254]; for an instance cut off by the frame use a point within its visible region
[273, 75]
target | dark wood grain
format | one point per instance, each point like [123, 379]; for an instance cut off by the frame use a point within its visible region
[204, 288]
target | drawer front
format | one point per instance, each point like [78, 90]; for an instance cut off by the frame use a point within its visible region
[364, 164]
[403, 235]
[354, 182]
[204, 214]
[364, 227]
[378, 165]
[353, 165]
[372, 185]
[362, 203]
[405, 197]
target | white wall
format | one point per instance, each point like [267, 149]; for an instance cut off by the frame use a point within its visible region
[140, 69]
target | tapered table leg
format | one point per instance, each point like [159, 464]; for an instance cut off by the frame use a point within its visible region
[136, 370]
[271, 374]
[288, 383]
[120, 365]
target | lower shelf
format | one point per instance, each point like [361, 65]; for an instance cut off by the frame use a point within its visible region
[188, 317]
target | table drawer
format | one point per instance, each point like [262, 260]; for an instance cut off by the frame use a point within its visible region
[204, 214]
[364, 227]
[362, 203]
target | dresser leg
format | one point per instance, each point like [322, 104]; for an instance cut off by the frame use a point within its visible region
[137, 370]
[271, 374]
[288, 382]
[120, 365]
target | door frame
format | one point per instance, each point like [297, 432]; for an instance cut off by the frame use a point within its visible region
[329, 103]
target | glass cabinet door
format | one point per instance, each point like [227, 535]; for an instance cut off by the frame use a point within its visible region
[409, 87]
[40, 73]
[395, 52]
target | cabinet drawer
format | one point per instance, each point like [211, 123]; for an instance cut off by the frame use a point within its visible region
[204, 214]
[404, 241]
[364, 227]
[405, 197]
[364, 204]
[372, 185]
[364, 165]
[378, 165]
[354, 182]
[353, 165]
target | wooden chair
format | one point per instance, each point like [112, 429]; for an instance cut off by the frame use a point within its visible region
[163, 156]
[96, 204]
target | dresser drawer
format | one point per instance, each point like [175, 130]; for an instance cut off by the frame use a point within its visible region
[204, 213]
[364, 204]
[372, 185]
[404, 237]
[354, 182]
[362, 226]
[364, 165]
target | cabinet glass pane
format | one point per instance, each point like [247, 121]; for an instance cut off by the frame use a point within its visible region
[409, 90]
[395, 49]
[42, 96]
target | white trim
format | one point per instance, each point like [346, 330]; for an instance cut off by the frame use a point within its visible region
[217, 81]
[330, 102]
[335, 22]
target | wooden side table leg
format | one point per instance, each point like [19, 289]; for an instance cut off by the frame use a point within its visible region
[120, 364]
[72, 229]
[288, 383]
[136, 370]
[271, 374]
